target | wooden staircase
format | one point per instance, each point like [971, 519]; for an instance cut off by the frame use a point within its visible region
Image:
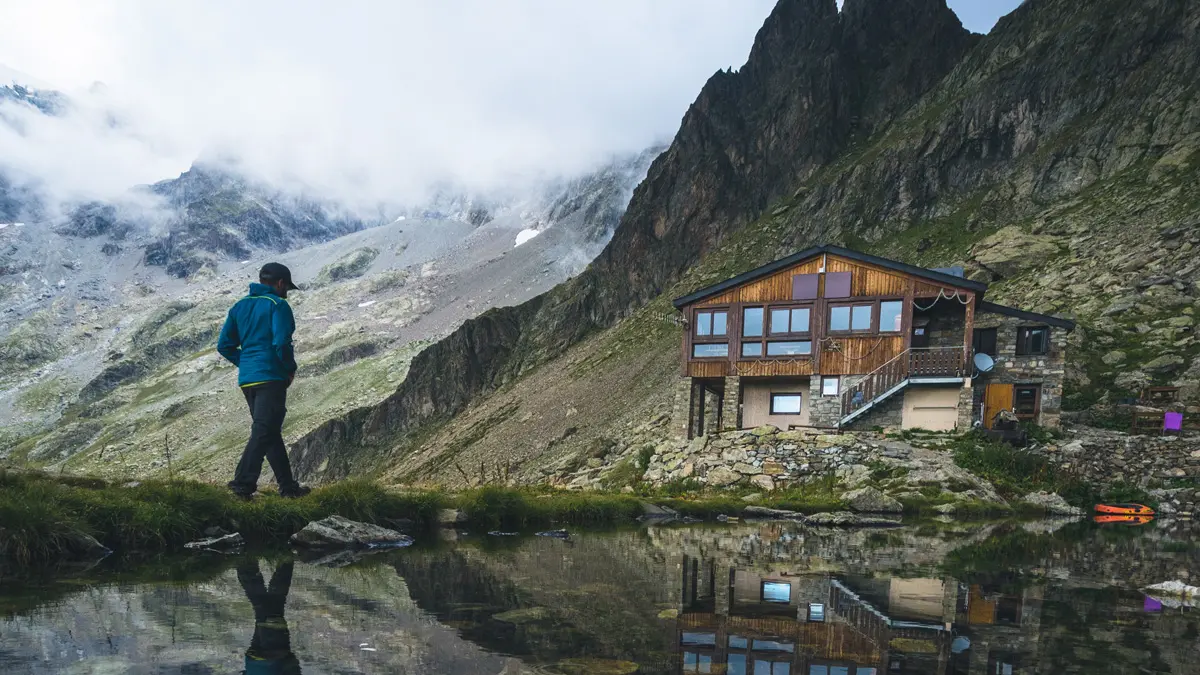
[924, 364]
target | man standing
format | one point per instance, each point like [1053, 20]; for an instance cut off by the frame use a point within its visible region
[257, 338]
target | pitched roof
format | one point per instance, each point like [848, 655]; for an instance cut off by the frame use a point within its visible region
[1028, 316]
[771, 267]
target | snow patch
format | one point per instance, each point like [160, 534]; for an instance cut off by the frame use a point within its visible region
[3, 225]
[367, 303]
[525, 235]
[399, 219]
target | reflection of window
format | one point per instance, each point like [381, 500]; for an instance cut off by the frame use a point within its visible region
[751, 349]
[1032, 340]
[891, 314]
[793, 348]
[697, 663]
[772, 667]
[708, 350]
[736, 665]
[1025, 401]
[778, 591]
[816, 611]
[785, 404]
[773, 646]
[707, 639]
[738, 642]
[752, 322]
[830, 386]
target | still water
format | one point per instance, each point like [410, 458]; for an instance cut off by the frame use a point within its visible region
[744, 599]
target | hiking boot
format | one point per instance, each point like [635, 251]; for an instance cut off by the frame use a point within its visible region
[244, 496]
[298, 491]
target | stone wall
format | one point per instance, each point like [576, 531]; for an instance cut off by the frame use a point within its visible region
[888, 414]
[1169, 465]
[1043, 369]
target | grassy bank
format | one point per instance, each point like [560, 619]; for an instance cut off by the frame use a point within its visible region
[40, 515]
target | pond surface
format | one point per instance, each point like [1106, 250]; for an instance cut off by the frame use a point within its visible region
[747, 598]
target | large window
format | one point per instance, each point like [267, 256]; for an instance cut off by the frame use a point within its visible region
[711, 324]
[794, 348]
[789, 320]
[785, 404]
[752, 322]
[891, 316]
[1033, 340]
[710, 350]
[851, 318]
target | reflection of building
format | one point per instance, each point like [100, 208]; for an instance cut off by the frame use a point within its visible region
[744, 622]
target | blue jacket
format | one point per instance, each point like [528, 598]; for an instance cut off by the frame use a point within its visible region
[257, 337]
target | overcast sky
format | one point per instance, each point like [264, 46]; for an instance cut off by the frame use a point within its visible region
[368, 98]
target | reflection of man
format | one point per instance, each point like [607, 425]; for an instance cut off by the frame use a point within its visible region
[271, 647]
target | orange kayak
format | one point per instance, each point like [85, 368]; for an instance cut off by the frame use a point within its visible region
[1125, 509]
[1123, 520]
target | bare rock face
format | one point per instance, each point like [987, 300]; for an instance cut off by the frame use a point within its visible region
[871, 500]
[339, 532]
[1010, 251]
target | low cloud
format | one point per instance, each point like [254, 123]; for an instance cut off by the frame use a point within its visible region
[366, 103]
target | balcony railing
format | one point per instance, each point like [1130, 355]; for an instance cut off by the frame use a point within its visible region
[916, 362]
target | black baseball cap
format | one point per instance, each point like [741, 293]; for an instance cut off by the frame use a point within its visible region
[273, 271]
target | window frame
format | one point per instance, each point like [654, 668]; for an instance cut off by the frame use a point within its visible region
[768, 337]
[1022, 347]
[975, 341]
[1037, 401]
[771, 402]
[711, 337]
[874, 329]
[837, 379]
[721, 357]
[762, 591]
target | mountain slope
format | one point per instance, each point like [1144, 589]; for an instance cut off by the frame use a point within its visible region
[1072, 125]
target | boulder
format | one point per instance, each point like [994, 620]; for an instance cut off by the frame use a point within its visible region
[764, 512]
[228, 542]
[745, 469]
[763, 482]
[655, 511]
[1011, 250]
[451, 517]
[1167, 363]
[339, 532]
[1053, 503]
[723, 476]
[847, 519]
[871, 500]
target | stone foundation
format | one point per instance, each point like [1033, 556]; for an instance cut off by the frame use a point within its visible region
[730, 405]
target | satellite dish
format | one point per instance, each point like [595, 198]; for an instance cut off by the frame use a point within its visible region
[984, 363]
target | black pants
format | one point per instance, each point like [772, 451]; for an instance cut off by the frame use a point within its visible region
[268, 405]
[270, 648]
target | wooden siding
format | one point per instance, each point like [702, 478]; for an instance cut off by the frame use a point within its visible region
[857, 355]
[832, 355]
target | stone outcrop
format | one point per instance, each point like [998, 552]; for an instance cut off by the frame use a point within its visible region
[847, 519]
[871, 500]
[224, 543]
[339, 532]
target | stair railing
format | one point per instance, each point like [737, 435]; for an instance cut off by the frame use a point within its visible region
[921, 361]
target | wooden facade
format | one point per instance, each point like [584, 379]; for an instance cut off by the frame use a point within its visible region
[848, 352]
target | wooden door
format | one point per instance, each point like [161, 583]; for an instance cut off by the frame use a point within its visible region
[996, 397]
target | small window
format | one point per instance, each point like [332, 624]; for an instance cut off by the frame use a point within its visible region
[830, 386]
[752, 322]
[891, 316]
[816, 611]
[785, 404]
[711, 323]
[736, 665]
[1026, 398]
[780, 320]
[697, 663]
[797, 348]
[738, 642]
[839, 318]
[710, 350]
[777, 591]
[984, 341]
[1032, 341]
[751, 349]
[860, 317]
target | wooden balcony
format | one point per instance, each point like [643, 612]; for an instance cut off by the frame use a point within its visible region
[891, 377]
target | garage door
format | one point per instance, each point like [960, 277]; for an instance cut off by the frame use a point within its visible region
[933, 408]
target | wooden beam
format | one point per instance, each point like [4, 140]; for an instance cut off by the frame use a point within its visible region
[968, 333]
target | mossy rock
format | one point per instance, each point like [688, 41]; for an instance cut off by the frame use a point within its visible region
[349, 266]
[523, 616]
[589, 666]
